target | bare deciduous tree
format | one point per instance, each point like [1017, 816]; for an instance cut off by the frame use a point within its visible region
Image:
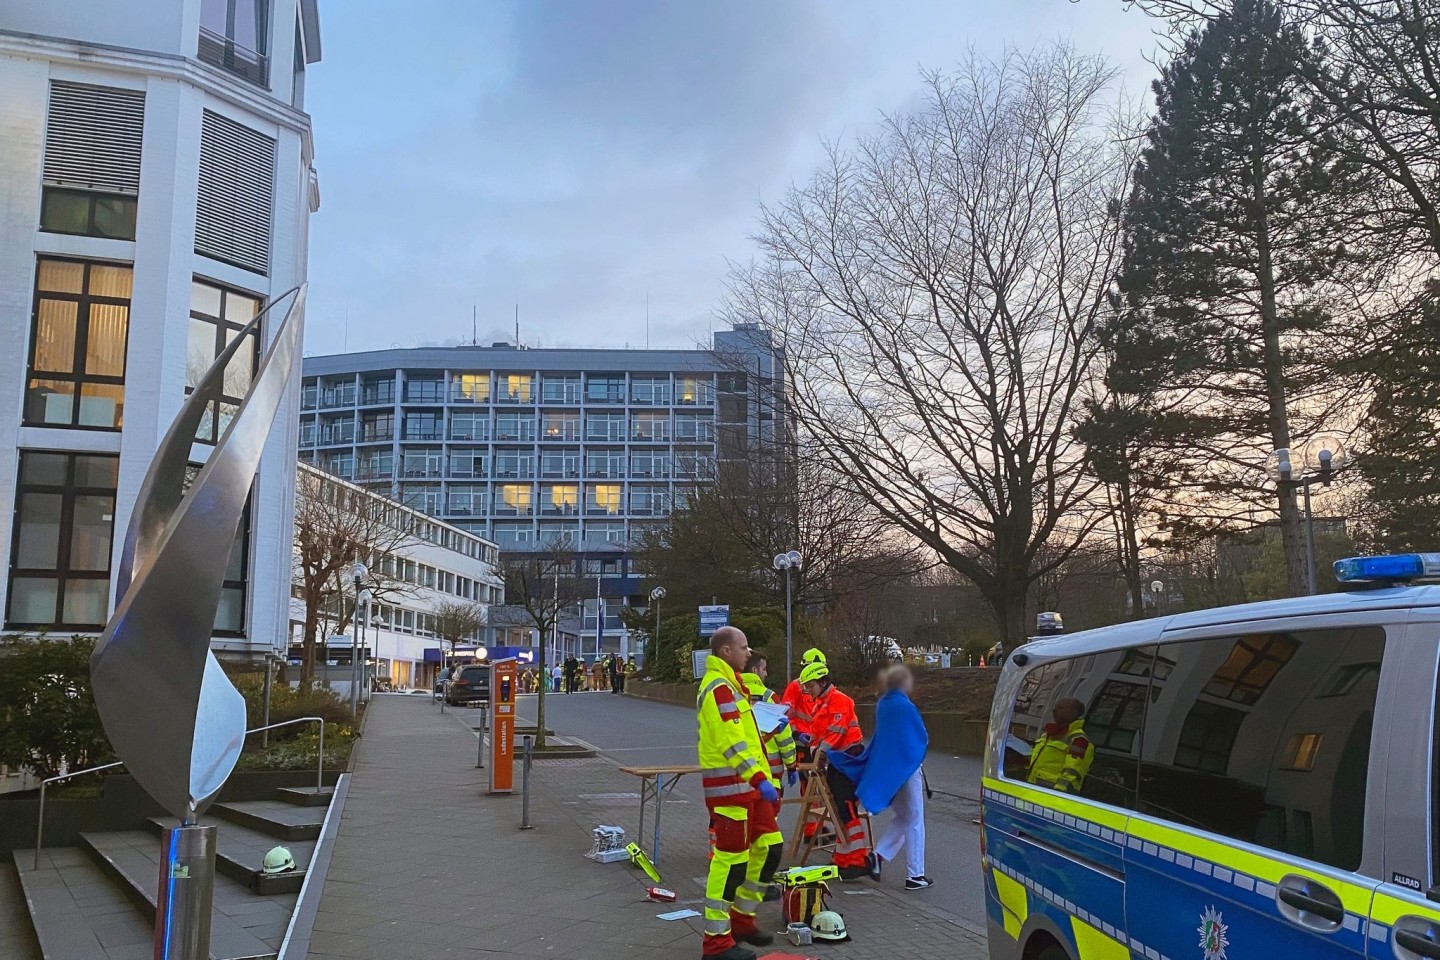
[336, 524]
[545, 584]
[936, 291]
[459, 620]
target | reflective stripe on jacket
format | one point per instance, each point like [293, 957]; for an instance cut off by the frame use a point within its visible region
[1061, 757]
[732, 760]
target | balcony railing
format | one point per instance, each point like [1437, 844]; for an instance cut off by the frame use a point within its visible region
[238, 59]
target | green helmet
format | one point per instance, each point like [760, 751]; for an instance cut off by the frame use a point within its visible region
[278, 860]
[813, 655]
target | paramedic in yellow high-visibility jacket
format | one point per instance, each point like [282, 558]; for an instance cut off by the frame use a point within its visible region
[741, 799]
[1062, 756]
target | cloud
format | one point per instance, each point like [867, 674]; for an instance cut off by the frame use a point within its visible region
[572, 156]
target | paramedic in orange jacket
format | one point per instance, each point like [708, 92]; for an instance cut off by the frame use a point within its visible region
[835, 727]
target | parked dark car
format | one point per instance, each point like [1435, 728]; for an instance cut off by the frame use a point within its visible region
[468, 685]
[441, 680]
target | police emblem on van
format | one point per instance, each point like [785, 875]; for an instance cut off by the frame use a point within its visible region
[1212, 930]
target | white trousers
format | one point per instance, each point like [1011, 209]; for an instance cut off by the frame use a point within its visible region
[906, 827]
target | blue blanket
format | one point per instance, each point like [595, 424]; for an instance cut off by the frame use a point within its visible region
[893, 755]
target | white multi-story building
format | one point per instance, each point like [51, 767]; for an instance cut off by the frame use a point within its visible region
[433, 564]
[531, 448]
[155, 189]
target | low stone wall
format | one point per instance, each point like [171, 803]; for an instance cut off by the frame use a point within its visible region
[680, 694]
[949, 732]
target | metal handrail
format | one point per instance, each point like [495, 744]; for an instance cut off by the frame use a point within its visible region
[40, 818]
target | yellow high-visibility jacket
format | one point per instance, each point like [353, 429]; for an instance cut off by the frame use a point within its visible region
[1060, 759]
[779, 746]
[732, 760]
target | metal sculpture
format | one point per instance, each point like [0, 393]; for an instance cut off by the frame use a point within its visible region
[170, 712]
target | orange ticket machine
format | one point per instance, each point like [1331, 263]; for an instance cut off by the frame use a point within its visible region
[504, 685]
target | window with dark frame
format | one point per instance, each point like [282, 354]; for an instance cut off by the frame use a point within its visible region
[217, 315]
[60, 553]
[234, 35]
[1113, 718]
[86, 214]
[78, 338]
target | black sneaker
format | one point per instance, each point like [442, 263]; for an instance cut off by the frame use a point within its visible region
[757, 939]
[873, 863]
[918, 883]
[854, 873]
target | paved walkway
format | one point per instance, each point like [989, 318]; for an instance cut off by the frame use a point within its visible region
[426, 866]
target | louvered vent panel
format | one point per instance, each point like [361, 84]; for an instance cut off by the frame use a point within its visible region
[237, 184]
[93, 136]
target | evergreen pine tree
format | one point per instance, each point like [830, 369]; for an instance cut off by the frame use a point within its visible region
[1401, 466]
[1234, 255]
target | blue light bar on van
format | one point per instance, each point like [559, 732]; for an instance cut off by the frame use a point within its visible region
[1395, 567]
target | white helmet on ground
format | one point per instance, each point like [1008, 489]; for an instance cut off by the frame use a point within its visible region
[278, 860]
[830, 926]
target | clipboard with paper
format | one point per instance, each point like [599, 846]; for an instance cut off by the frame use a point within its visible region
[770, 717]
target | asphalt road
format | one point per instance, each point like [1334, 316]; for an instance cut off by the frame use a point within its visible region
[640, 732]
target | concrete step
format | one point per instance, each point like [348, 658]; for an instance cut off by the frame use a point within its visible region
[240, 855]
[279, 819]
[306, 796]
[243, 926]
[17, 935]
[76, 911]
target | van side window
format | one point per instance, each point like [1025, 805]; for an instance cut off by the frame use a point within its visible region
[1265, 738]
[1075, 725]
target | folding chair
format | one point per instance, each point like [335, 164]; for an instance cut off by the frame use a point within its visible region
[818, 806]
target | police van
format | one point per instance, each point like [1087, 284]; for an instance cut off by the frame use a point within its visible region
[1256, 781]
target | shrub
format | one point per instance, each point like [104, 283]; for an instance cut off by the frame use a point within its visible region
[298, 753]
[291, 703]
[48, 719]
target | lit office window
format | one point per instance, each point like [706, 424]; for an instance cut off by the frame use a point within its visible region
[562, 498]
[603, 498]
[77, 345]
[60, 553]
[514, 388]
[217, 315]
[514, 499]
[469, 387]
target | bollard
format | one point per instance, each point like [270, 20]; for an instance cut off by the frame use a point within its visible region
[480, 735]
[525, 786]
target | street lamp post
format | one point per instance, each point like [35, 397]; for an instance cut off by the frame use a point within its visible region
[1320, 458]
[1156, 590]
[787, 562]
[362, 615]
[358, 572]
[656, 596]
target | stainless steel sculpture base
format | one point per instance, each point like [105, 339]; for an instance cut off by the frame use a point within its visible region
[186, 894]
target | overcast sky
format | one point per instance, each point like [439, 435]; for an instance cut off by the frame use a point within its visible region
[575, 156]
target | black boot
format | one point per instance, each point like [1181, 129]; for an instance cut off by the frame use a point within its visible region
[757, 939]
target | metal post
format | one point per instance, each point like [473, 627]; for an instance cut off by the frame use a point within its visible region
[1309, 539]
[480, 735]
[265, 734]
[789, 639]
[525, 785]
[40, 825]
[364, 653]
[320, 761]
[186, 893]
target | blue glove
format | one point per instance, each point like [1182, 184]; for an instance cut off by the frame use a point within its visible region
[803, 739]
[792, 776]
[768, 793]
